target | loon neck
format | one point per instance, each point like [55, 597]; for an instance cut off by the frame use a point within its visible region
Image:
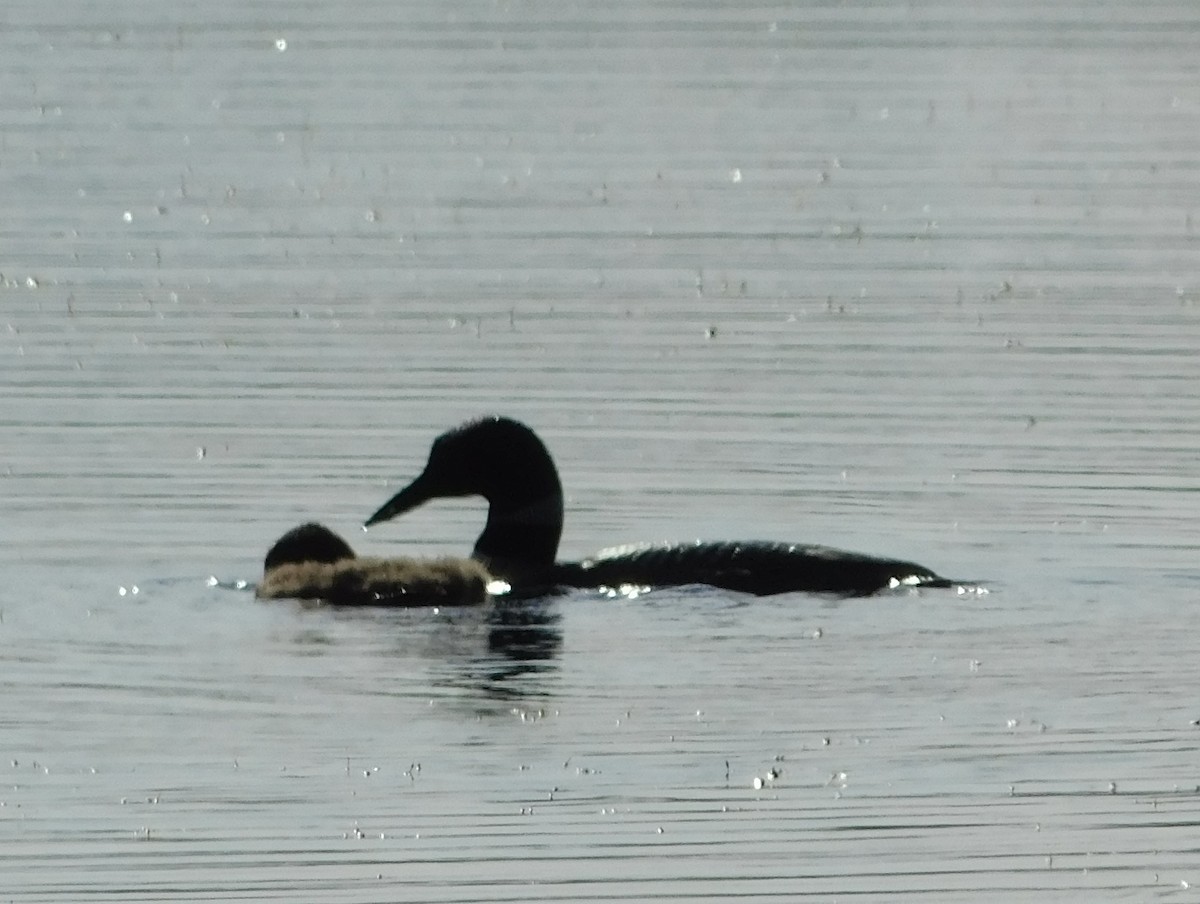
[520, 541]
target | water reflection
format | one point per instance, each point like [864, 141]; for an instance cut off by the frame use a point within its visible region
[528, 632]
[523, 640]
[501, 651]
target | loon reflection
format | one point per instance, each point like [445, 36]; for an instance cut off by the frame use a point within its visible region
[506, 463]
[311, 562]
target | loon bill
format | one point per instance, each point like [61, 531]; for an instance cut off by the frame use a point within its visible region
[311, 562]
[506, 463]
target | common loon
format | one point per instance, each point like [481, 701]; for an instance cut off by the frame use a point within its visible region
[311, 562]
[505, 462]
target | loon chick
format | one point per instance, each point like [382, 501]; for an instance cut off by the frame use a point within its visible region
[311, 562]
[503, 461]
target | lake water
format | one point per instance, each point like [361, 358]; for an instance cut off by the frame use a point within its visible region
[917, 279]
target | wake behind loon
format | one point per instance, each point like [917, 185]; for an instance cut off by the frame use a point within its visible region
[505, 462]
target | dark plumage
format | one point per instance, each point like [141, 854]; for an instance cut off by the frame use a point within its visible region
[503, 461]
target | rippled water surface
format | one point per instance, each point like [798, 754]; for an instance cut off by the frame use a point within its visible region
[917, 279]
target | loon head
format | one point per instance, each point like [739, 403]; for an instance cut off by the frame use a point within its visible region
[310, 542]
[503, 461]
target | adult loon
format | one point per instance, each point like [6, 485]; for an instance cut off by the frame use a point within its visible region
[311, 562]
[505, 462]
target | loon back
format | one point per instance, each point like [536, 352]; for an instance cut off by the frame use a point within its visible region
[760, 567]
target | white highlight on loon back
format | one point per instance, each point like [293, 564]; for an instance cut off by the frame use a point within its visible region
[627, 549]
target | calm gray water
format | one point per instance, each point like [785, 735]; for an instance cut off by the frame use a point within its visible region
[909, 278]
